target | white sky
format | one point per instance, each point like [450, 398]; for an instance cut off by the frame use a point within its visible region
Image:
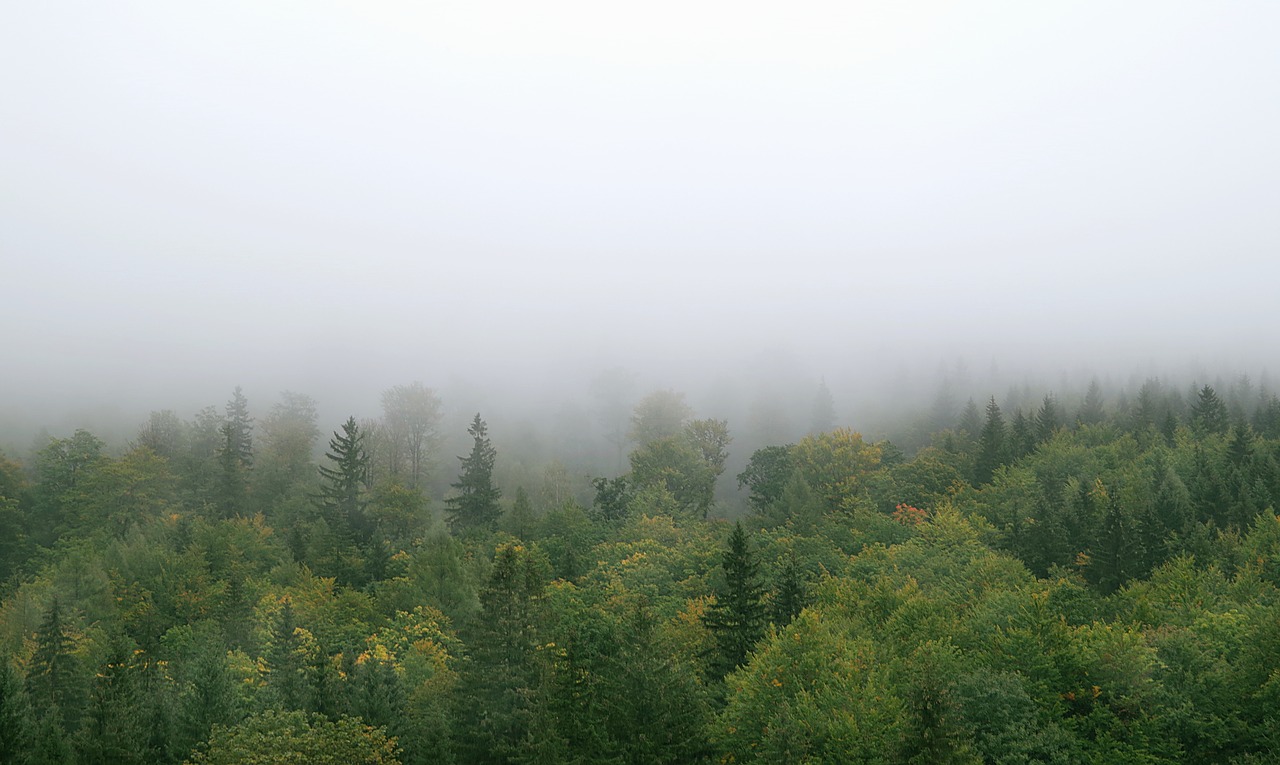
[204, 193]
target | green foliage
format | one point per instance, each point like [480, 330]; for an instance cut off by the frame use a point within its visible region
[296, 738]
[737, 616]
[17, 720]
[474, 507]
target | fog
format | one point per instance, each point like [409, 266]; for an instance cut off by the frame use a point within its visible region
[508, 200]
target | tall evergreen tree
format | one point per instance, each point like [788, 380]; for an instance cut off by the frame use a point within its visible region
[344, 481]
[822, 416]
[1091, 412]
[288, 667]
[235, 456]
[475, 505]
[789, 597]
[970, 421]
[1208, 413]
[241, 427]
[17, 721]
[51, 679]
[992, 446]
[1047, 419]
[115, 727]
[504, 671]
[737, 617]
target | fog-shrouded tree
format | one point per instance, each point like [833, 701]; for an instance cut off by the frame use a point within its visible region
[474, 506]
[1091, 411]
[411, 416]
[661, 414]
[164, 434]
[288, 444]
[993, 449]
[345, 481]
[822, 415]
[1208, 413]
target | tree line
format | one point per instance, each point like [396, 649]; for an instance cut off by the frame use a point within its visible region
[1028, 585]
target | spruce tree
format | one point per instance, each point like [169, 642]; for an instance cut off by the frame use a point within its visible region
[17, 722]
[822, 415]
[1047, 420]
[115, 727]
[1091, 412]
[475, 506]
[737, 617]
[235, 456]
[344, 481]
[1208, 413]
[500, 680]
[52, 676]
[789, 596]
[992, 449]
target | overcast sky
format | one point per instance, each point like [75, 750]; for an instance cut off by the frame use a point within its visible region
[200, 194]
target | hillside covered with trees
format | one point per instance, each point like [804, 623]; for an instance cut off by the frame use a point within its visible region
[1092, 579]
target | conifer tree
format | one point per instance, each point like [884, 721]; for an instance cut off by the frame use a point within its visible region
[737, 617]
[992, 446]
[1047, 419]
[115, 727]
[970, 421]
[475, 506]
[17, 721]
[287, 664]
[235, 456]
[504, 671]
[519, 520]
[52, 675]
[1091, 412]
[344, 481]
[822, 416]
[1208, 413]
[789, 596]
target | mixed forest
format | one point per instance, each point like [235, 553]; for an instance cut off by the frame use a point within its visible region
[1091, 578]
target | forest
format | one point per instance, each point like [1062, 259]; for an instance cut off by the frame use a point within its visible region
[1080, 576]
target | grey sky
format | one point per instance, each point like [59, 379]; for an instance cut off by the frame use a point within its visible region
[206, 193]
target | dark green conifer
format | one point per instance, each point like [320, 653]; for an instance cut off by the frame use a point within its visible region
[475, 505]
[992, 446]
[17, 720]
[1208, 413]
[344, 481]
[737, 617]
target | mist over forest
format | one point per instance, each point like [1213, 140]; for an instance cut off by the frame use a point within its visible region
[571, 382]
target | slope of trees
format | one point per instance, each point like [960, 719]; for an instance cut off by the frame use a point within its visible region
[1065, 580]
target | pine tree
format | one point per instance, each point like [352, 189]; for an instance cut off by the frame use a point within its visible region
[208, 699]
[1208, 413]
[1047, 419]
[115, 727]
[519, 520]
[17, 721]
[235, 456]
[52, 676]
[1022, 438]
[970, 421]
[1091, 412]
[737, 617]
[504, 671]
[344, 482]
[287, 664]
[241, 427]
[992, 446]
[789, 597]
[475, 506]
[823, 414]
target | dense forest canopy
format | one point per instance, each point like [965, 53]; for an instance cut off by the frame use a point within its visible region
[1080, 576]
